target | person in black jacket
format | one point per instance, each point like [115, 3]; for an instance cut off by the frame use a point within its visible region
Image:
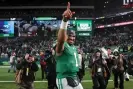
[28, 67]
[119, 67]
[51, 65]
[130, 65]
[99, 70]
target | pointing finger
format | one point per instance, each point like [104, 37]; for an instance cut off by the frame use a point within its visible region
[68, 5]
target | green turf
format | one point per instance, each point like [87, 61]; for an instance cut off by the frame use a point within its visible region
[4, 76]
[86, 85]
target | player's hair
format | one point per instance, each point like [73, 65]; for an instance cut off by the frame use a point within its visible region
[71, 32]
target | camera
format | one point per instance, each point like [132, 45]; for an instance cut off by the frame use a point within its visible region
[29, 58]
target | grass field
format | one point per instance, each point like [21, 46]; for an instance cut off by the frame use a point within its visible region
[7, 77]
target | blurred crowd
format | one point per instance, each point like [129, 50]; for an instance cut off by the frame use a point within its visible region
[46, 37]
[19, 45]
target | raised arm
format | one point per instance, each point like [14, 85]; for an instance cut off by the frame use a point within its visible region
[62, 34]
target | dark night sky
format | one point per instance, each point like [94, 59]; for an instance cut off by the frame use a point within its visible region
[48, 2]
[98, 4]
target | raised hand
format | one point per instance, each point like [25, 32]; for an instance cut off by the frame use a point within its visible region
[68, 13]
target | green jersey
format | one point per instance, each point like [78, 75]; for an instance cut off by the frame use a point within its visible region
[67, 63]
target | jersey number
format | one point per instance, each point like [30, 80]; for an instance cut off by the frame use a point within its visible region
[76, 59]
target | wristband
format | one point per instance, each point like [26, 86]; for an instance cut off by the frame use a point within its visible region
[64, 25]
[65, 19]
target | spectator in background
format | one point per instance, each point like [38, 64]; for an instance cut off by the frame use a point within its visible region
[119, 67]
[42, 63]
[12, 62]
[130, 65]
[109, 61]
[81, 72]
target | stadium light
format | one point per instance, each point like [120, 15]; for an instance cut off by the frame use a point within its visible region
[115, 24]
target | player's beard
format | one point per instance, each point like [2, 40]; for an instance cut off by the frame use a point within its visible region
[70, 41]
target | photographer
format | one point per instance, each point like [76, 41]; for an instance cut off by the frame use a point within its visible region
[27, 67]
[99, 70]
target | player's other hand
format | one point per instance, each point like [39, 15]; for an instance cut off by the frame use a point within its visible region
[68, 13]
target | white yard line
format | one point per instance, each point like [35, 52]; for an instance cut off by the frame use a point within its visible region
[4, 66]
[9, 66]
[43, 81]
